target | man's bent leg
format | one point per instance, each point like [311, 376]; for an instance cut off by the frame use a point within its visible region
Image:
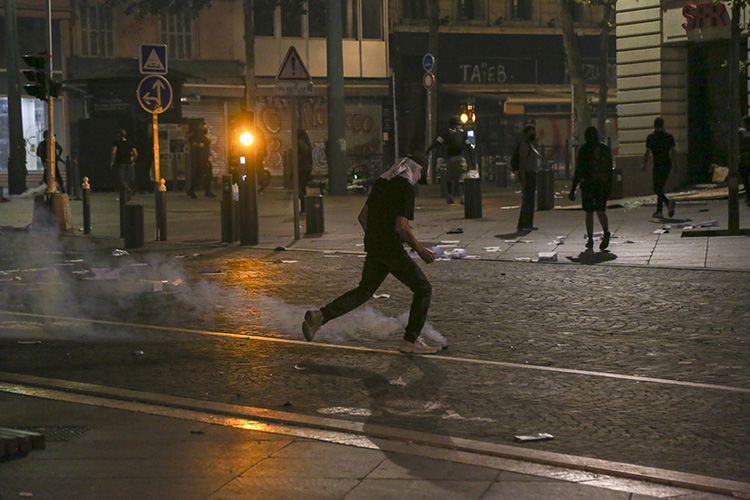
[410, 274]
[373, 274]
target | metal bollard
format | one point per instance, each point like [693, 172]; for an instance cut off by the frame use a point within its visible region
[227, 197]
[133, 226]
[616, 193]
[501, 174]
[545, 190]
[123, 204]
[86, 197]
[472, 198]
[315, 223]
[161, 211]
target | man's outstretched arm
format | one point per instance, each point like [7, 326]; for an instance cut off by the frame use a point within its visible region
[404, 232]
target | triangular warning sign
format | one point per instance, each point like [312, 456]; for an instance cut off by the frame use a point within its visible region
[292, 68]
[153, 62]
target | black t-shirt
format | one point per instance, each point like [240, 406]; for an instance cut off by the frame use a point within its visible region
[388, 199]
[594, 167]
[660, 142]
[123, 153]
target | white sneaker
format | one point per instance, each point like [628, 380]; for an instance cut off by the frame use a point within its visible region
[416, 347]
[313, 322]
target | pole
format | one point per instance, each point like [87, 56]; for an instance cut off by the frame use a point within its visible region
[295, 166]
[733, 204]
[336, 110]
[160, 188]
[428, 127]
[17, 150]
[395, 119]
[50, 104]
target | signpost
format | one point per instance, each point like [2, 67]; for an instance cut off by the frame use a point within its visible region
[155, 96]
[153, 60]
[294, 80]
[428, 80]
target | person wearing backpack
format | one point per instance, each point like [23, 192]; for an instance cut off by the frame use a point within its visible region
[455, 140]
[594, 174]
[528, 165]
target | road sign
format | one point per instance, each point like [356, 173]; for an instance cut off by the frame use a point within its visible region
[428, 80]
[292, 67]
[428, 62]
[155, 94]
[153, 60]
[293, 88]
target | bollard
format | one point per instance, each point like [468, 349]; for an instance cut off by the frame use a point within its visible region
[227, 202]
[123, 204]
[545, 189]
[616, 193]
[315, 217]
[161, 211]
[86, 197]
[501, 173]
[472, 198]
[133, 226]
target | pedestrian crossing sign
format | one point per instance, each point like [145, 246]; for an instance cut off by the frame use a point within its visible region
[153, 60]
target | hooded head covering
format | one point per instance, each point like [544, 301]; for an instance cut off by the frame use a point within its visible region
[409, 167]
[591, 135]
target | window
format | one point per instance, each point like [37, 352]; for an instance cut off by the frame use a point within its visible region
[177, 33]
[349, 19]
[372, 19]
[292, 16]
[264, 18]
[96, 30]
[415, 9]
[317, 15]
[522, 9]
[469, 9]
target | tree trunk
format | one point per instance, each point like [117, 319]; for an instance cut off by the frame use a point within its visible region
[575, 69]
[607, 20]
[250, 88]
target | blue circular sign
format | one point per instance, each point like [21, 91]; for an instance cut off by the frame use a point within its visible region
[428, 62]
[155, 94]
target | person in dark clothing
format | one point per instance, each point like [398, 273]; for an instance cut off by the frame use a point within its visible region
[384, 219]
[529, 158]
[201, 173]
[744, 164]
[456, 141]
[124, 156]
[660, 144]
[305, 164]
[41, 152]
[594, 174]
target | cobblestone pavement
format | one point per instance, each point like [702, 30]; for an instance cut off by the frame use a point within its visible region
[538, 320]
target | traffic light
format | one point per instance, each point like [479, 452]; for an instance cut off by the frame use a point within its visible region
[242, 134]
[38, 77]
[467, 114]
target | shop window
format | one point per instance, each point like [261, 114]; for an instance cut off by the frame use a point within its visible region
[372, 19]
[522, 9]
[177, 33]
[317, 12]
[469, 9]
[415, 9]
[96, 30]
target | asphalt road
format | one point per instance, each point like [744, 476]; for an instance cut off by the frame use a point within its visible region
[646, 366]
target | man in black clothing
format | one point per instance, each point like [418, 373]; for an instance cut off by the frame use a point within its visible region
[41, 152]
[123, 158]
[660, 144]
[384, 218]
[456, 140]
[201, 173]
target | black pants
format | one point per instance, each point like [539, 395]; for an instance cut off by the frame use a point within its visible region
[200, 177]
[661, 173]
[375, 270]
[745, 176]
[528, 200]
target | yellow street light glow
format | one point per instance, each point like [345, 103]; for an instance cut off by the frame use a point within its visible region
[464, 118]
[473, 117]
[246, 138]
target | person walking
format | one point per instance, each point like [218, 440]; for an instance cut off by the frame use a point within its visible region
[41, 152]
[124, 155]
[305, 165]
[594, 174]
[528, 167]
[456, 141]
[744, 164]
[201, 173]
[384, 219]
[660, 144]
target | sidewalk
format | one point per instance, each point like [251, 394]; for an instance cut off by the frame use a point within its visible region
[115, 450]
[491, 237]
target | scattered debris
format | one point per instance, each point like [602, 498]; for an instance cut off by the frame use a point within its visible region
[197, 432]
[491, 249]
[400, 382]
[660, 231]
[298, 367]
[381, 296]
[177, 282]
[209, 271]
[547, 256]
[137, 353]
[510, 208]
[522, 259]
[28, 342]
[450, 242]
[280, 249]
[457, 230]
[140, 264]
[538, 436]
[288, 404]
[597, 235]
[343, 410]
[288, 261]
[119, 253]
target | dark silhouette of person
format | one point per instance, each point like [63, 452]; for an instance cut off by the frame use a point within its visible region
[385, 216]
[201, 173]
[305, 164]
[456, 141]
[124, 155]
[660, 144]
[594, 174]
[529, 158]
[41, 152]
